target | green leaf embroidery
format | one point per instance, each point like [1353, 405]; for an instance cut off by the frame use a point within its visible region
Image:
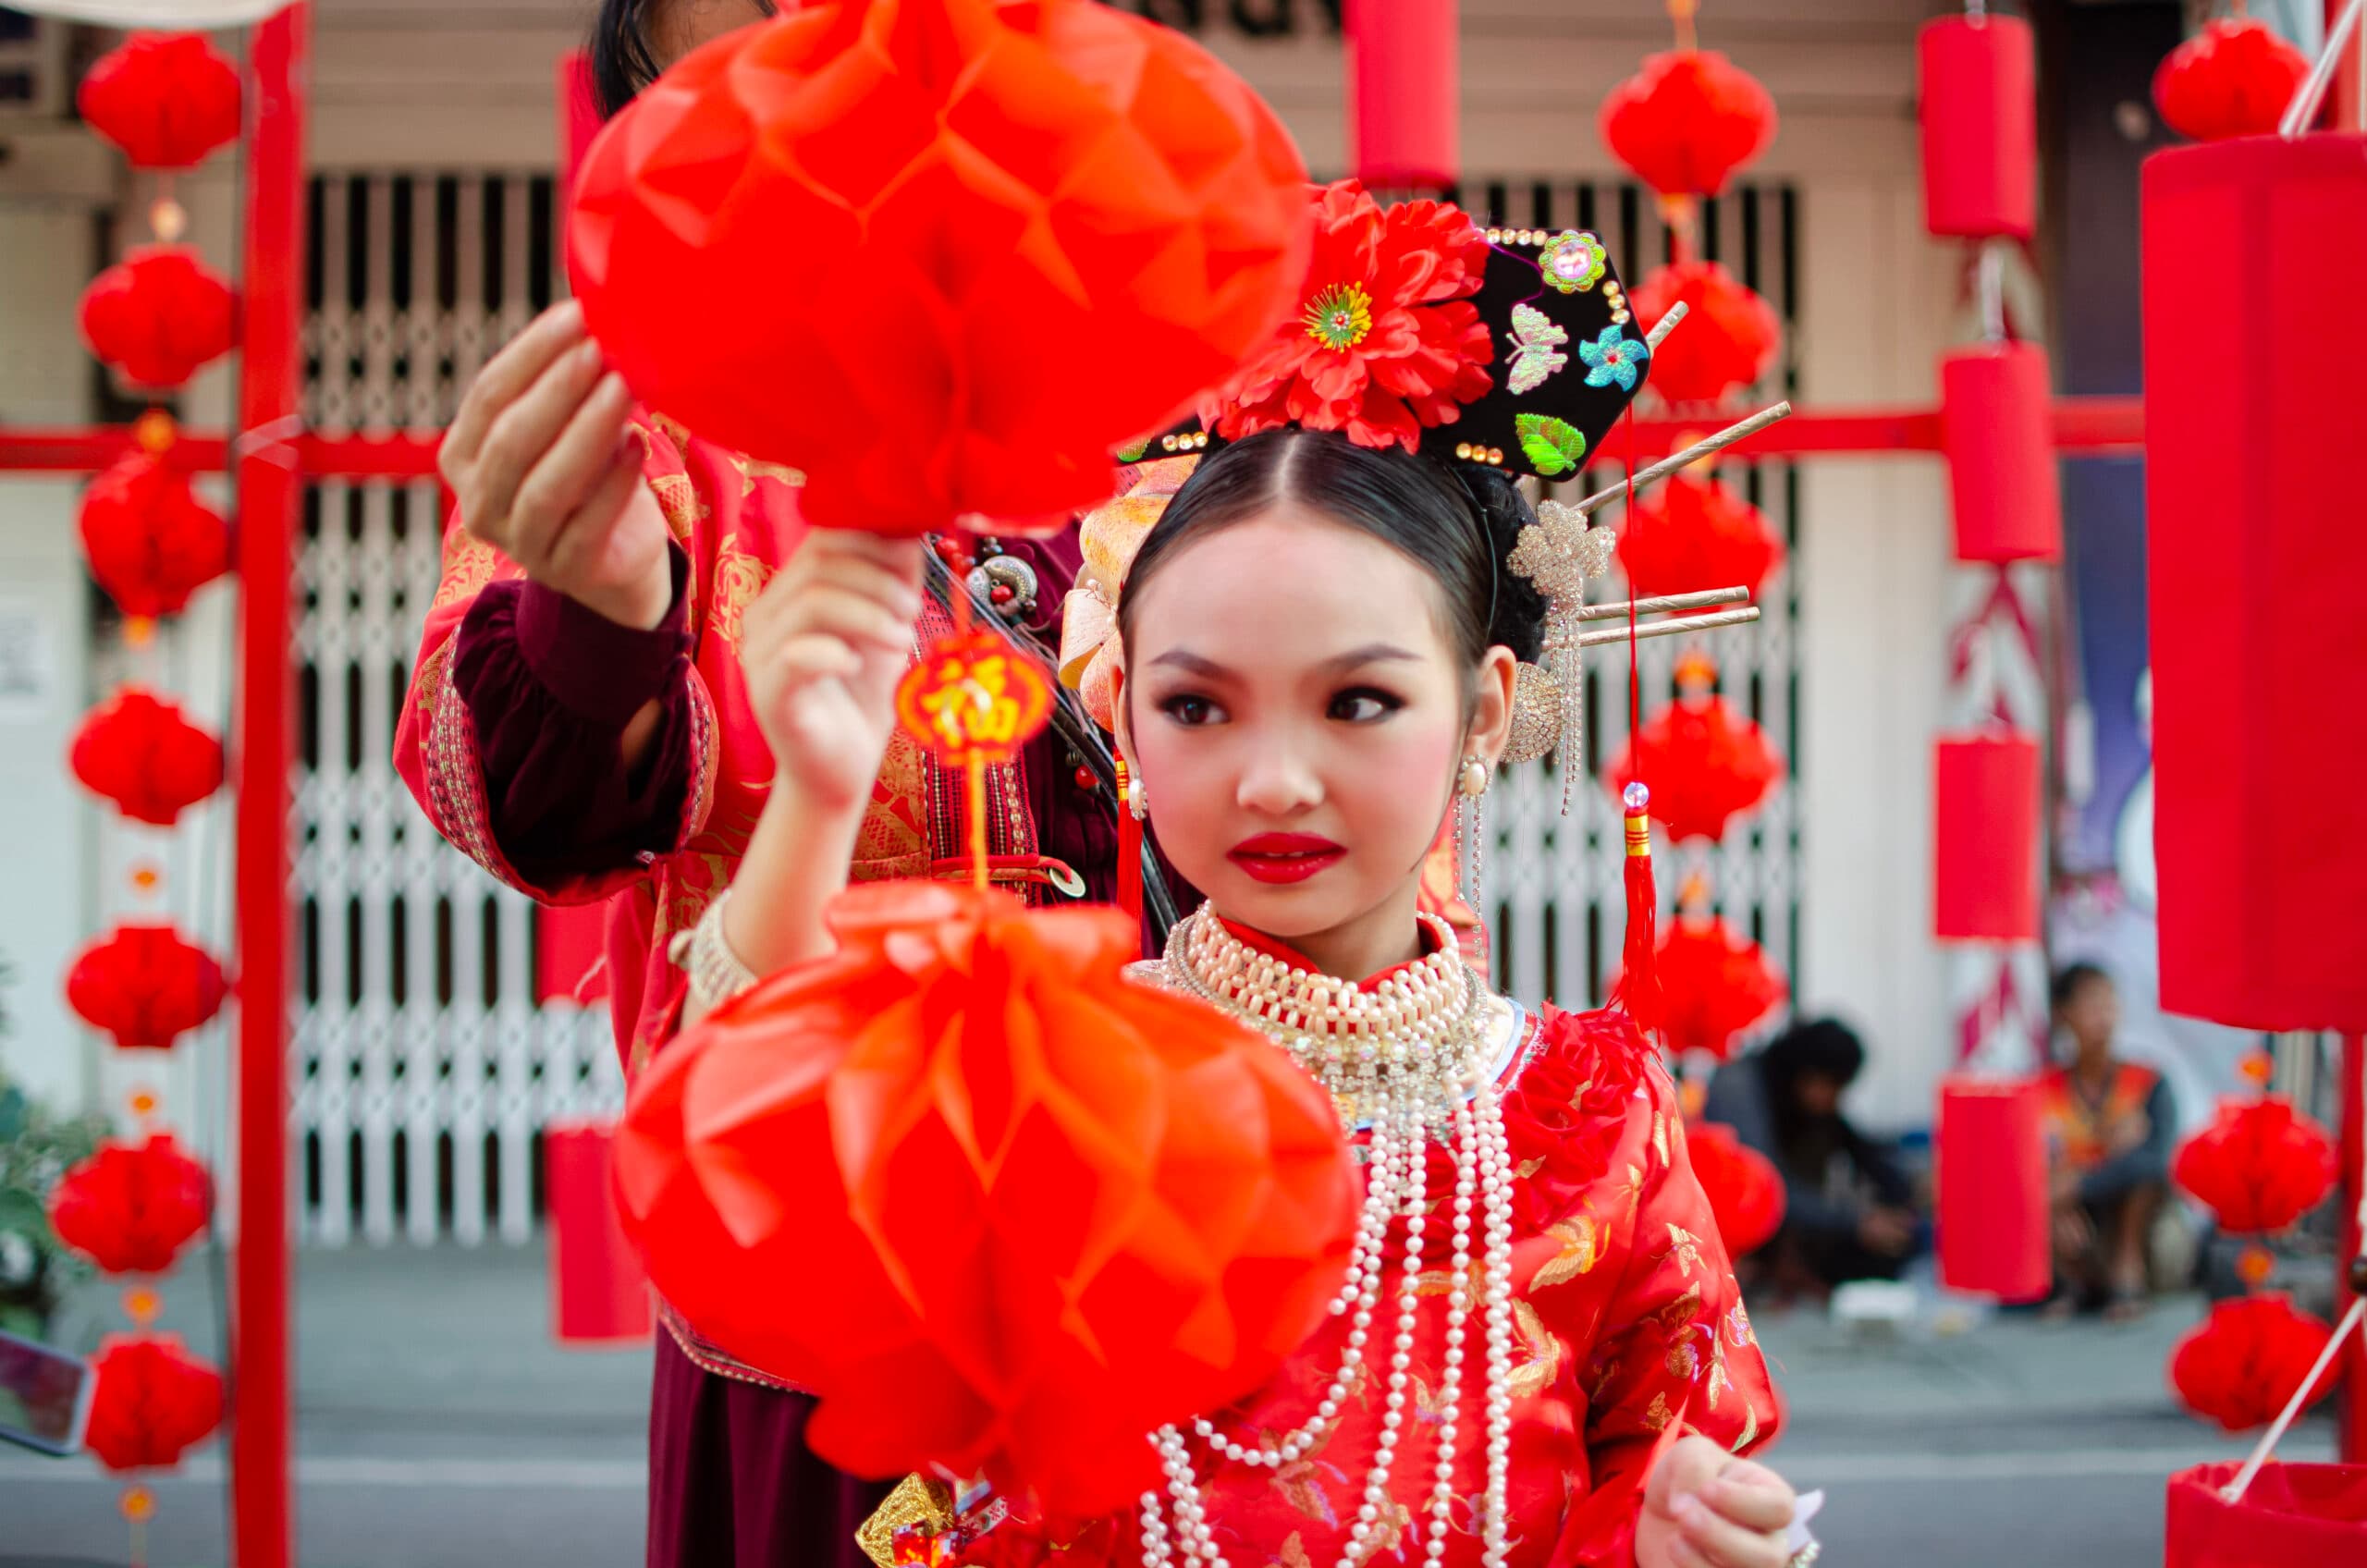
[1134, 454]
[1555, 445]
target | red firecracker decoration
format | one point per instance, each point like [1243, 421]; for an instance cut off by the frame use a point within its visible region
[151, 542]
[1404, 97]
[1977, 97]
[1686, 121]
[159, 315]
[2235, 78]
[2246, 1359]
[951, 215]
[2260, 1166]
[1715, 983]
[145, 985]
[166, 99]
[1987, 793]
[1705, 763]
[143, 756]
[1055, 1209]
[1746, 1192]
[1995, 1218]
[1997, 425]
[1690, 535]
[154, 1401]
[1727, 340]
[132, 1208]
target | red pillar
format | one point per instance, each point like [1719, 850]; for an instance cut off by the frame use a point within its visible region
[2353, 1433]
[269, 485]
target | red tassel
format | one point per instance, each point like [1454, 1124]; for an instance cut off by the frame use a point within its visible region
[1130, 848]
[1639, 988]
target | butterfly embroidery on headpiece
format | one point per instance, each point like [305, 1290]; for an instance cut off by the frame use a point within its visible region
[1534, 339]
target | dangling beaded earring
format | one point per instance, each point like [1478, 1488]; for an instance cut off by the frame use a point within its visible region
[1134, 806]
[1471, 826]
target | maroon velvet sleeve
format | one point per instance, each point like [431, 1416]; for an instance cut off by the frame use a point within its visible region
[551, 687]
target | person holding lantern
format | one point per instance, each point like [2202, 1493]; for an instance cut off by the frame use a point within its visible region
[1324, 642]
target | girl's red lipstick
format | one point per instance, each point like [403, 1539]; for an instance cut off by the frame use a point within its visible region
[1281, 858]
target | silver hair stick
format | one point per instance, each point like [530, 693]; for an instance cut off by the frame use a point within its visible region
[1663, 603]
[1652, 628]
[1693, 454]
[1667, 325]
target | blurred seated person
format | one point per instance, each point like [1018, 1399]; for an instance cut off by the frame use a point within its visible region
[2110, 1128]
[1848, 1209]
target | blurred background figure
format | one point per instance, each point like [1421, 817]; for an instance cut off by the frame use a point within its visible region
[1850, 1209]
[2111, 1126]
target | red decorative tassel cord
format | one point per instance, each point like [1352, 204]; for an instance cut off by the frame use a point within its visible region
[1639, 989]
[1130, 847]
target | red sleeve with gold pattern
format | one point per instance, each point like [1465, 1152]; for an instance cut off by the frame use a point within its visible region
[1641, 1287]
[509, 736]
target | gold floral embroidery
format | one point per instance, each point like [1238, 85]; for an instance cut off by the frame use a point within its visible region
[469, 564]
[1677, 1314]
[1683, 1246]
[893, 839]
[1657, 1415]
[680, 501]
[1659, 1136]
[1719, 1382]
[1581, 1248]
[1301, 1483]
[674, 430]
[1440, 1281]
[739, 578]
[752, 470]
[1534, 1375]
[1683, 1360]
[1633, 1188]
[1293, 1553]
[1749, 1426]
[1738, 1326]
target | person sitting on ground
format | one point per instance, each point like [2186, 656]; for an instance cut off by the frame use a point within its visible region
[2110, 1126]
[1848, 1209]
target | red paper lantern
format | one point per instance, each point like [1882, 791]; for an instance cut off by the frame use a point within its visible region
[154, 1401]
[1686, 121]
[1055, 1209]
[143, 756]
[2293, 1512]
[1746, 1192]
[1691, 534]
[1997, 414]
[2241, 1364]
[2235, 78]
[1715, 985]
[599, 1295]
[1978, 81]
[1984, 838]
[1995, 1219]
[2254, 557]
[1705, 764]
[151, 542]
[132, 1208]
[1727, 340]
[159, 315]
[166, 99]
[2259, 1166]
[948, 217]
[144, 986]
[1405, 93]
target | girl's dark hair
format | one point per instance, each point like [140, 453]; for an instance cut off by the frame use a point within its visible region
[623, 61]
[2072, 979]
[1457, 524]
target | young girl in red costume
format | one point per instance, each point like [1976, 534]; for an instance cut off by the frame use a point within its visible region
[1540, 1356]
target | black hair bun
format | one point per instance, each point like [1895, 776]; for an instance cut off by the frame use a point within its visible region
[1519, 619]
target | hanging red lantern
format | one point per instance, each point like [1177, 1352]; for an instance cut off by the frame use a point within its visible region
[1984, 836]
[153, 1402]
[166, 99]
[1995, 1218]
[1686, 121]
[1688, 536]
[143, 756]
[1977, 79]
[2260, 1166]
[2242, 1364]
[159, 315]
[145, 985]
[151, 542]
[1404, 88]
[132, 1208]
[1997, 416]
[2253, 555]
[1727, 340]
[1056, 1209]
[950, 216]
[1704, 763]
[1715, 985]
[2235, 78]
[1746, 1192]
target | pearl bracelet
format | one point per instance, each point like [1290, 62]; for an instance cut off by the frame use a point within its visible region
[717, 973]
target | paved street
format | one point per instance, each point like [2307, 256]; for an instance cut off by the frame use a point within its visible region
[438, 1426]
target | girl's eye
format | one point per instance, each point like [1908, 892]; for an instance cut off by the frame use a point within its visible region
[1363, 706]
[1189, 710]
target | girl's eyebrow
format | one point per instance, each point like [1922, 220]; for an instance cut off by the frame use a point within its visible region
[1208, 669]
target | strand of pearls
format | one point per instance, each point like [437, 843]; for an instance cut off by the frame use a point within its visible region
[1405, 1057]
